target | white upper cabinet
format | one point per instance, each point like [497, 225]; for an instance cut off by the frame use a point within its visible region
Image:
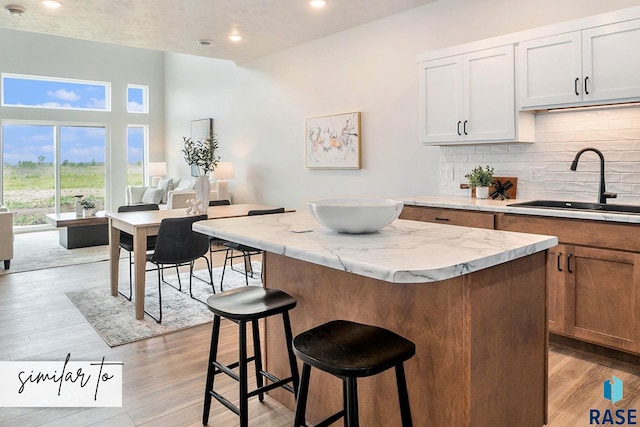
[593, 66]
[468, 98]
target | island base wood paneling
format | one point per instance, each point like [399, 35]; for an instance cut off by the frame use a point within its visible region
[481, 342]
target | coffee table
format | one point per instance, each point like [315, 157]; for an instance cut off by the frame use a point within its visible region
[79, 232]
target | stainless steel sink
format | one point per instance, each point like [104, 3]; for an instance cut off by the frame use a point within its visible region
[579, 206]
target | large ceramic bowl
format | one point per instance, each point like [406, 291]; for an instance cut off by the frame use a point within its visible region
[355, 216]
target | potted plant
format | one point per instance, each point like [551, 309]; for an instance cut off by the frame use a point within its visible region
[88, 205]
[480, 179]
[202, 155]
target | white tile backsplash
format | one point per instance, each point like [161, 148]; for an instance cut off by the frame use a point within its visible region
[559, 136]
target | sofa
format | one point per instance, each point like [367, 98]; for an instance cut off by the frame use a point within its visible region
[171, 193]
[6, 237]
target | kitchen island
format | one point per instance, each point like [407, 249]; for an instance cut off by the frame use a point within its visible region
[472, 300]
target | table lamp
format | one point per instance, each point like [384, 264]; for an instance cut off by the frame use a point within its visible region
[221, 174]
[156, 170]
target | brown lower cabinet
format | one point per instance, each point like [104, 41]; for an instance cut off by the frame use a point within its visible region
[593, 292]
[593, 275]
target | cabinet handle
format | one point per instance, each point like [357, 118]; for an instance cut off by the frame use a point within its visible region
[575, 86]
[441, 219]
[586, 91]
[569, 264]
[559, 256]
[459, 127]
[464, 127]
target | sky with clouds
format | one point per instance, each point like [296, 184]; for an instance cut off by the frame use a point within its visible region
[77, 144]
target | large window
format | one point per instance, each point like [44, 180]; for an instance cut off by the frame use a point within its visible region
[55, 93]
[45, 166]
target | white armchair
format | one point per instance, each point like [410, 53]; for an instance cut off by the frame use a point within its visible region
[6, 237]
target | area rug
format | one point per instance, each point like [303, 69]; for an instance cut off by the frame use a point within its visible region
[41, 249]
[114, 317]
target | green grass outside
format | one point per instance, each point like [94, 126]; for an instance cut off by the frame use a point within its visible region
[29, 188]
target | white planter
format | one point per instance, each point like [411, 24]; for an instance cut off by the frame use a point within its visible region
[88, 212]
[482, 192]
[203, 190]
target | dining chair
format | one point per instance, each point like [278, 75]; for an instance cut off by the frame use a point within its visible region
[247, 251]
[126, 240]
[178, 245]
[214, 242]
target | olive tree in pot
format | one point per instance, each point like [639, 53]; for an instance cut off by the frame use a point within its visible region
[481, 179]
[202, 155]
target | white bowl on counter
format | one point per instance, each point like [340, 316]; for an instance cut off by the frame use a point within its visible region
[355, 216]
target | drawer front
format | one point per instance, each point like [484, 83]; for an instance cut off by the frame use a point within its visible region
[448, 216]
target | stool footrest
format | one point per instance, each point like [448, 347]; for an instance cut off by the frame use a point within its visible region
[227, 369]
[275, 384]
[332, 419]
[220, 398]
[275, 379]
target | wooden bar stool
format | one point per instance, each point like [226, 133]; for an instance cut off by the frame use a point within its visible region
[242, 305]
[351, 350]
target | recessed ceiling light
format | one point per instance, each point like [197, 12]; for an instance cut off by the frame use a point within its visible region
[205, 42]
[318, 3]
[51, 4]
[15, 10]
[235, 37]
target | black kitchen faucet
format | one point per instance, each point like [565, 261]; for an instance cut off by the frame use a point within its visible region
[604, 194]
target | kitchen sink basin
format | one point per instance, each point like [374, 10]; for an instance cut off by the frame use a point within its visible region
[579, 206]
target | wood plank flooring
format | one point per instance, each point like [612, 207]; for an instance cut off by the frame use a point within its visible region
[164, 376]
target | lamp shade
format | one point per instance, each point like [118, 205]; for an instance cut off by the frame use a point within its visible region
[224, 170]
[157, 169]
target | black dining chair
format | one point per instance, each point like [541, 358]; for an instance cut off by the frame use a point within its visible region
[126, 240]
[215, 244]
[177, 245]
[246, 251]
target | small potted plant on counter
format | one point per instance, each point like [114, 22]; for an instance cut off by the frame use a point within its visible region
[480, 179]
[88, 206]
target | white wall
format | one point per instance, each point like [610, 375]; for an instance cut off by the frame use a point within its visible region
[259, 108]
[50, 56]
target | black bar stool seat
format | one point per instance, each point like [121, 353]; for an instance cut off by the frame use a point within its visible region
[242, 305]
[349, 351]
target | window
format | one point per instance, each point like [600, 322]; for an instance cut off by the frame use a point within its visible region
[137, 99]
[55, 93]
[37, 180]
[136, 143]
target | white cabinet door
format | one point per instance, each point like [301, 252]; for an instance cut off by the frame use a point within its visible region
[489, 108]
[441, 100]
[611, 63]
[550, 70]
[468, 98]
[593, 66]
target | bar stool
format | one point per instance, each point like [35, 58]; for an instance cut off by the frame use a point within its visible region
[242, 305]
[351, 350]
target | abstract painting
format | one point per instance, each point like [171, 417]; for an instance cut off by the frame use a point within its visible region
[333, 142]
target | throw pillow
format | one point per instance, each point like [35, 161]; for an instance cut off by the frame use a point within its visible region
[186, 184]
[152, 195]
[165, 185]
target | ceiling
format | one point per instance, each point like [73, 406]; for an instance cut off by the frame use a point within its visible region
[267, 26]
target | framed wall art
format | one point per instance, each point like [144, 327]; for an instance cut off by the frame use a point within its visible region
[200, 129]
[333, 142]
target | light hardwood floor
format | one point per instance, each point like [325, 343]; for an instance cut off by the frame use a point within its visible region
[164, 376]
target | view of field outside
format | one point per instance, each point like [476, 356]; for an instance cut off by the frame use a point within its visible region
[29, 160]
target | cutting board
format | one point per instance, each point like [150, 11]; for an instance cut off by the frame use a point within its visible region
[511, 192]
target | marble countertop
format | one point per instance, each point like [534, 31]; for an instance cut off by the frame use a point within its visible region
[502, 206]
[403, 252]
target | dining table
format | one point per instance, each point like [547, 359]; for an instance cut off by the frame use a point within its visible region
[141, 224]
